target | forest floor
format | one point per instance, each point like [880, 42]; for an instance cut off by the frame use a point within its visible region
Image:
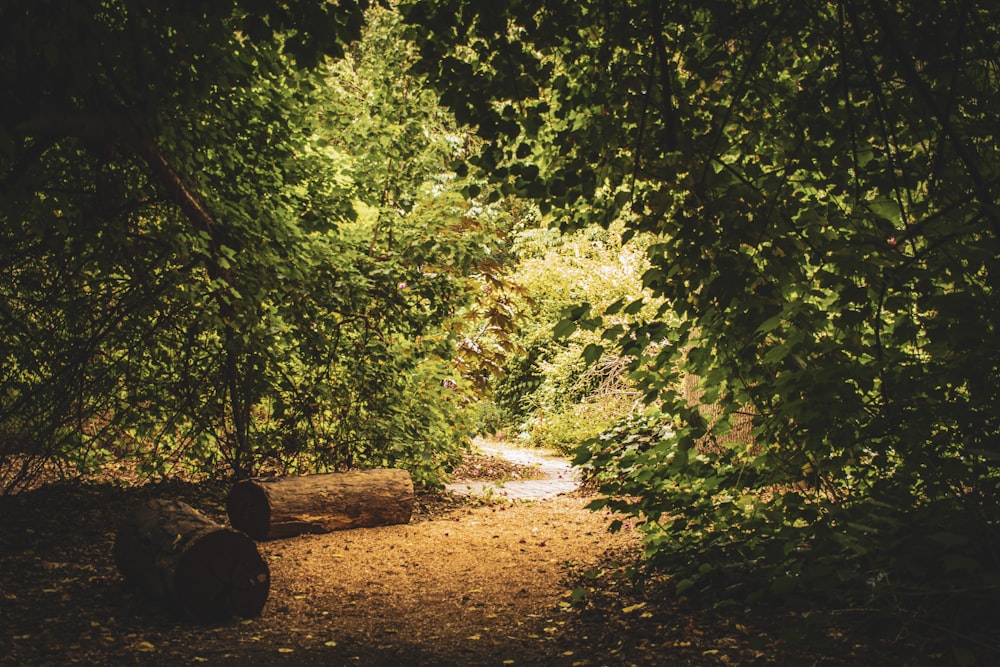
[480, 576]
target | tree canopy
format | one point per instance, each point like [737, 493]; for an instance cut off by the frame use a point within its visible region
[230, 238]
[823, 180]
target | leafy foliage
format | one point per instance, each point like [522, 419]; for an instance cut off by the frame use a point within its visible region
[232, 235]
[221, 246]
[562, 390]
[823, 181]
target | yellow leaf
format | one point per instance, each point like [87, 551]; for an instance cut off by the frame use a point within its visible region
[473, 637]
[330, 643]
[145, 647]
[286, 650]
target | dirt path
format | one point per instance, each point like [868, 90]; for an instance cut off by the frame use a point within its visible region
[481, 581]
[483, 585]
[480, 587]
[553, 474]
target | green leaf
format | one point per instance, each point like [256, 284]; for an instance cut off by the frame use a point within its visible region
[634, 307]
[564, 328]
[615, 307]
[592, 353]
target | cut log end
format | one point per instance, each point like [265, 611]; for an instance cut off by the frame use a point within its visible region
[205, 571]
[249, 509]
[222, 575]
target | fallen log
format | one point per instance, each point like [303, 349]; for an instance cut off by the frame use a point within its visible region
[203, 570]
[276, 507]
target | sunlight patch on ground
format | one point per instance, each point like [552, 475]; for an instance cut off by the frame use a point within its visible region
[555, 474]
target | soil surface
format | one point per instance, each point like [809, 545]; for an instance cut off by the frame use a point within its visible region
[478, 577]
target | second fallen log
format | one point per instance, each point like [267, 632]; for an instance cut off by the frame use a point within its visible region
[203, 570]
[276, 507]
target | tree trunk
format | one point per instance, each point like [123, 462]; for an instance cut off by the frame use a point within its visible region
[276, 507]
[203, 570]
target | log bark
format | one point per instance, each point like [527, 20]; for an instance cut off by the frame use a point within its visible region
[276, 507]
[203, 570]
